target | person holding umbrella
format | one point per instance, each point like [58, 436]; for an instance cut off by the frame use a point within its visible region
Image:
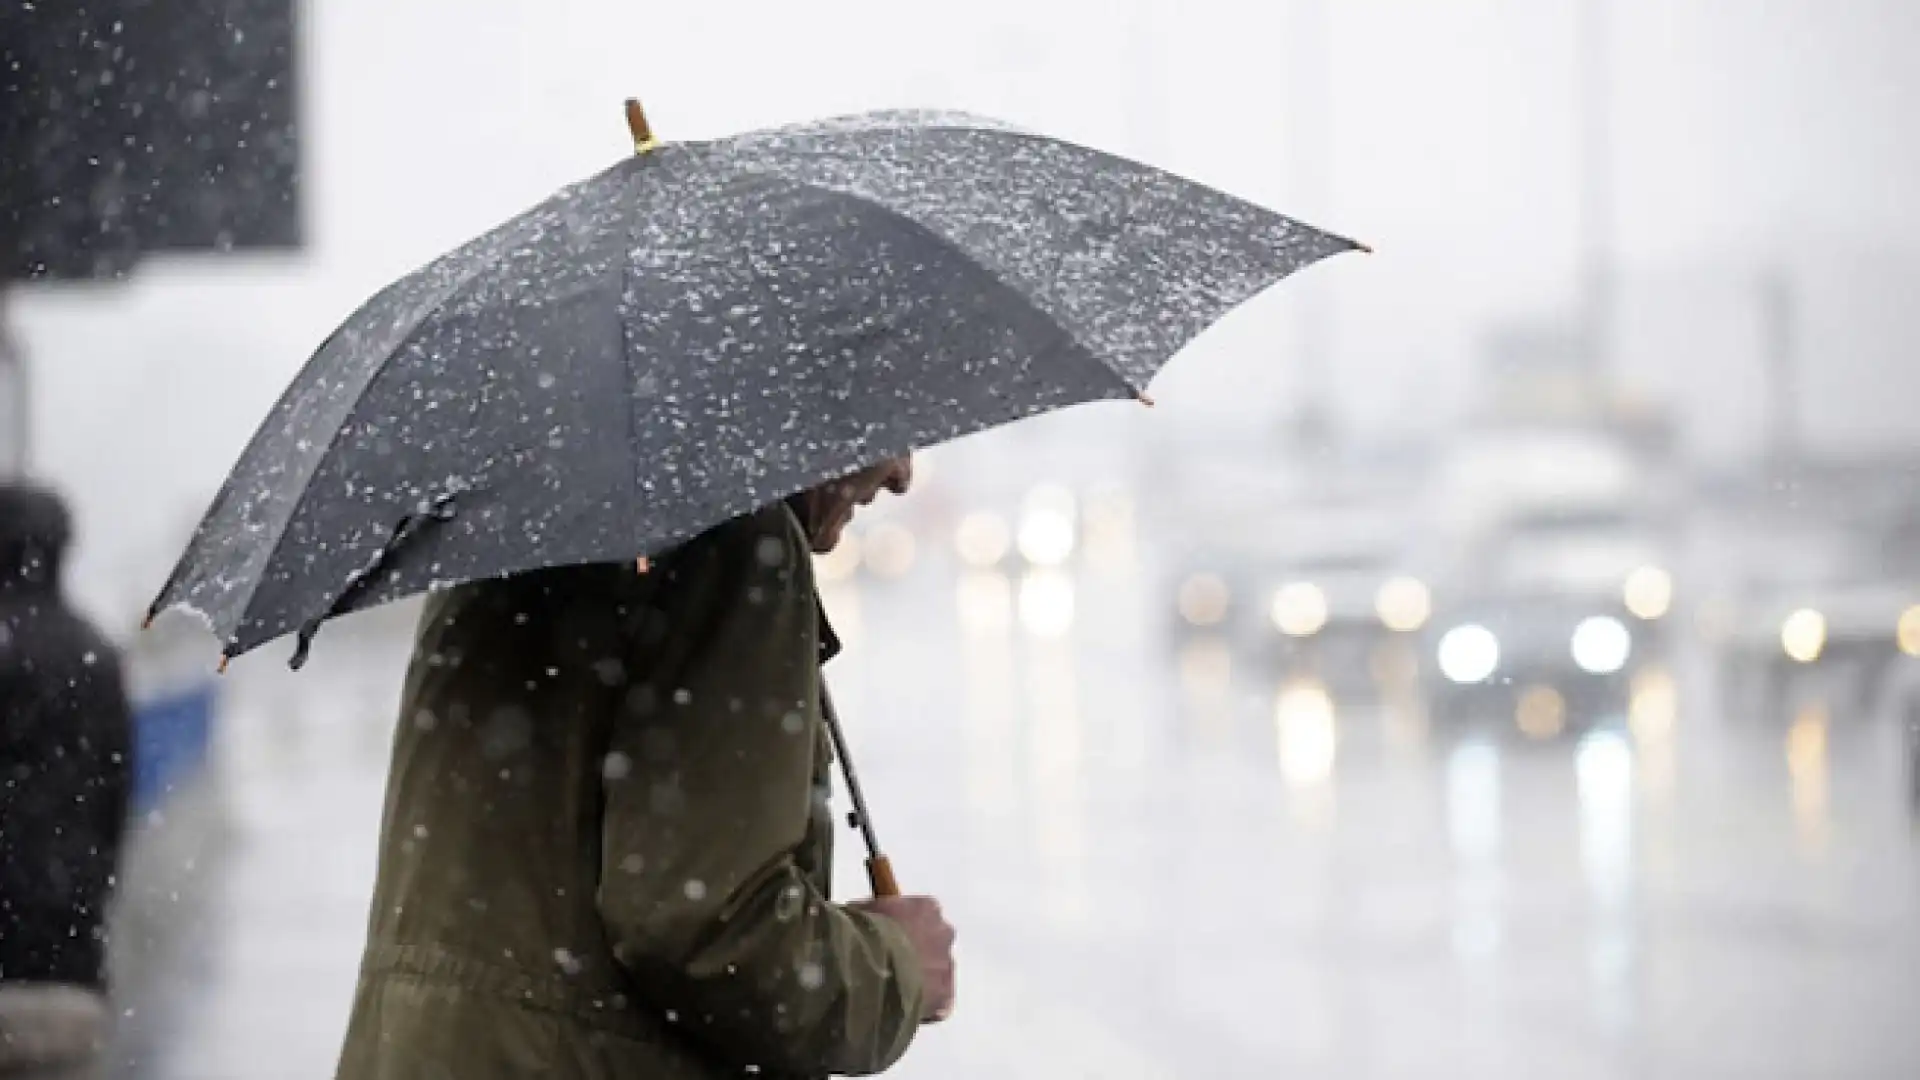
[605, 438]
[607, 838]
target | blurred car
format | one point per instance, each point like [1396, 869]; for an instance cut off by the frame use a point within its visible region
[1828, 610]
[1318, 579]
[1548, 619]
[1335, 612]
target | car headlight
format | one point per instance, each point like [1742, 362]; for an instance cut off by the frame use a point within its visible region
[1299, 609]
[1403, 604]
[889, 551]
[1601, 645]
[1204, 600]
[1908, 632]
[1047, 533]
[1804, 635]
[1649, 593]
[1469, 654]
[982, 539]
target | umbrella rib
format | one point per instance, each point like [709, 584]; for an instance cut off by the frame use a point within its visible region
[502, 241]
[633, 379]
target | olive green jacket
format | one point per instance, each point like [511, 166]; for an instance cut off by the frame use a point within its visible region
[607, 842]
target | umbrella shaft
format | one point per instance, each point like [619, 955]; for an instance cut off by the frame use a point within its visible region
[860, 815]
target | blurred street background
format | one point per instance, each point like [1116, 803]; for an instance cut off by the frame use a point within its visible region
[1497, 656]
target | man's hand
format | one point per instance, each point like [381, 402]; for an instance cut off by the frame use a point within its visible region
[932, 940]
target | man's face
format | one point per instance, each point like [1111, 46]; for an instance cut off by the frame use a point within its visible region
[830, 506]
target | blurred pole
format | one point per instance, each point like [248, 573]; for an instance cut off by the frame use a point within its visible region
[1596, 184]
[1151, 459]
[1778, 349]
[1309, 145]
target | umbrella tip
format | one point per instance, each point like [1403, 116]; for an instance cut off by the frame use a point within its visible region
[225, 659]
[638, 126]
[147, 623]
[641, 564]
[1364, 249]
[1144, 399]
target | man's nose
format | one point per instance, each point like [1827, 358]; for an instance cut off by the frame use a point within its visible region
[900, 477]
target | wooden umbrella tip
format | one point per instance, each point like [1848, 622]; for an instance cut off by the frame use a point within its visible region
[147, 623]
[641, 564]
[638, 126]
[1144, 399]
[224, 661]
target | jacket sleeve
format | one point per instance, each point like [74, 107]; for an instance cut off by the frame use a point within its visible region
[709, 788]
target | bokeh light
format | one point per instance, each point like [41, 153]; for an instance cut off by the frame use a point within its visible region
[1804, 635]
[1299, 609]
[1404, 604]
[1649, 593]
[1204, 600]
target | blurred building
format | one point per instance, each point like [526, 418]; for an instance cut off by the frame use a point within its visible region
[140, 126]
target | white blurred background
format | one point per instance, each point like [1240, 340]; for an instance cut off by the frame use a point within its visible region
[1494, 656]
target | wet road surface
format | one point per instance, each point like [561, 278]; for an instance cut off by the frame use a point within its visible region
[1166, 862]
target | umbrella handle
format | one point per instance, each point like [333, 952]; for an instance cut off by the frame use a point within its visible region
[880, 876]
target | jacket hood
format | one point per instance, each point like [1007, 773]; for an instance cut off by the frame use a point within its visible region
[35, 530]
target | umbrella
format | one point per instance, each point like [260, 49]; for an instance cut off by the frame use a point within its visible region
[704, 328]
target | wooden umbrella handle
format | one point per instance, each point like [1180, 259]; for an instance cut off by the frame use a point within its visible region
[880, 875]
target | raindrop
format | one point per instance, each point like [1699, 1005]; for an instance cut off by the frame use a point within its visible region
[508, 731]
[90, 659]
[616, 766]
[633, 864]
[812, 976]
[419, 832]
[546, 380]
[696, 889]
[640, 699]
[793, 723]
[682, 696]
[568, 962]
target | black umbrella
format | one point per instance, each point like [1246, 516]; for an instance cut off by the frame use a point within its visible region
[700, 330]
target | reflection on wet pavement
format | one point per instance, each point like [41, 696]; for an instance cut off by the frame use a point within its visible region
[1167, 860]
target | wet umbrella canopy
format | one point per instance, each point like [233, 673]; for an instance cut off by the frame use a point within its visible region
[705, 328]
